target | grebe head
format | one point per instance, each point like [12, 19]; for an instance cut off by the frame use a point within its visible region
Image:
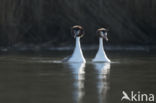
[77, 31]
[102, 32]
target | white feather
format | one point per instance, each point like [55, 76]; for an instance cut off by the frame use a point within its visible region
[101, 55]
[77, 55]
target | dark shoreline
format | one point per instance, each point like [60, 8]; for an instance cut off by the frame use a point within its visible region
[84, 47]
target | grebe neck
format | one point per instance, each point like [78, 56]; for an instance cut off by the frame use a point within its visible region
[77, 55]
[101, 55]
[77, 43]
[101, 44]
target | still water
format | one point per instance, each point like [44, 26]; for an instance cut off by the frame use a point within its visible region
[41, 77]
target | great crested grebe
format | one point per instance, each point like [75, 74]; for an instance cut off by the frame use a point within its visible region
[77, 56]
[101, 55]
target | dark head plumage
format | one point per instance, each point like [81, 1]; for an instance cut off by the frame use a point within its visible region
[77, 31]
[102, 32]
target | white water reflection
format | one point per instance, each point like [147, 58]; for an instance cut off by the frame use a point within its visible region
[103, 71]
[78, 70]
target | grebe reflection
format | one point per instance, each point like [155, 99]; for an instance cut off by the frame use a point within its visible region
[78, 71]
[103, 70]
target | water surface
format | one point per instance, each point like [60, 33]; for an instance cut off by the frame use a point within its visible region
[42, 78]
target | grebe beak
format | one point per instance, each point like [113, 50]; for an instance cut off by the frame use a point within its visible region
[104, 35]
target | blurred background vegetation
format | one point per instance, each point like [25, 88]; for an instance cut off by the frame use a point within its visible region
[48, 22]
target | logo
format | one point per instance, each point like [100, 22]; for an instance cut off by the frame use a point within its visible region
[138, 96]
